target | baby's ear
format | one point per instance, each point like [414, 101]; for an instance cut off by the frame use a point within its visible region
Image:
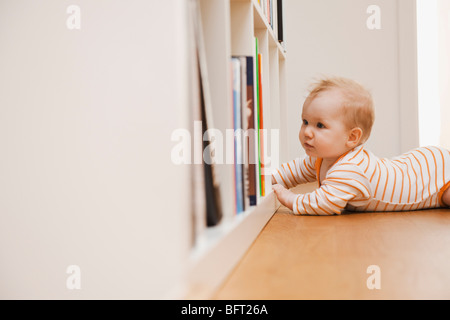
[354, 137]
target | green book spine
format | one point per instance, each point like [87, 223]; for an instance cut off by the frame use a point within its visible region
[258, 102]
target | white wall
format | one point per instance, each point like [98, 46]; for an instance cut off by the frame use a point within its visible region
[86, 176]
[444, 70]
[331, 37]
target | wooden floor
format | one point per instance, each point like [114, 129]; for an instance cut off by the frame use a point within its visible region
[328, 258]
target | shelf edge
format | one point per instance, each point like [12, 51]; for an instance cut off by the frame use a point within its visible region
[210, 267]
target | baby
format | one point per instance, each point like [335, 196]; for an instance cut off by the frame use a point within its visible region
[337, 119]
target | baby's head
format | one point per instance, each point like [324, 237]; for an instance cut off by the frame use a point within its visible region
[338, 115]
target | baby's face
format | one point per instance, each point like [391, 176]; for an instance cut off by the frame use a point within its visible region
[323, 133]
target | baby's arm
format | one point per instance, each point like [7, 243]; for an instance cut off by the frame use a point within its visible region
[291, 174]
[332, 197]
[298, 171]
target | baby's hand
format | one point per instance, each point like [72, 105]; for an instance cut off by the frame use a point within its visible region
[285, 196]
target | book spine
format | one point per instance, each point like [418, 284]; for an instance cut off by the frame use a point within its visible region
[261, 128]
[251, 145]
[245, 140]
[280, 20]
[238, 148]
[257, 120]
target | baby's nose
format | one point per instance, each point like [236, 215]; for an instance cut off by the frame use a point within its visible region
[308, 132]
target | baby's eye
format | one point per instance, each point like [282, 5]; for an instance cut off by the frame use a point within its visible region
[305, 122]
[320, 125]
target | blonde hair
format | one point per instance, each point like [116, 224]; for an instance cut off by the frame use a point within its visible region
[357, 105]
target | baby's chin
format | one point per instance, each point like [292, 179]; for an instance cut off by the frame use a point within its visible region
[311, 152]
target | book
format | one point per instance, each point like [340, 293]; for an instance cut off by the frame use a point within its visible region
[280, 20]
[245, 132]
[212, 188]
[261, 128]
[268, 10]
[249, 121]
[238, 141]
[257, 119]
[244, 121]
[249, 139]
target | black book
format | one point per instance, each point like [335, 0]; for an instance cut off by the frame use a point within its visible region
[280, 20]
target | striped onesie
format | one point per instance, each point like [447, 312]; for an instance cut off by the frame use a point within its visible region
[360, 181]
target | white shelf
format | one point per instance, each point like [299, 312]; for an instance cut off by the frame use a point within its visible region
[220, 248]
[260, 22]
[230, 28]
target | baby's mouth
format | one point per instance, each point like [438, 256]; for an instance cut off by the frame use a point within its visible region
[307, 145]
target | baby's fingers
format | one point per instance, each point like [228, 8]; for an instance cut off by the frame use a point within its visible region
[277, 188]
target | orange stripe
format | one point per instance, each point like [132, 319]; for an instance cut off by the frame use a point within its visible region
[403, 178]
[310, 166]
[282, 178]
[357, 200]
[292, 173]
[296, 201]
[379, 176]
[304, 175]
[421, 174]
[345, 200]
[421, 203]
[443, 166]
[295, 166]
[435, 165]
[368, 163]
[387, 179]
[363, 176]
[355, 155]
[369, 204]
[428, 169]
[338, 180]
[309, 203]
[284, 169]
[307, 168]
[415, 174]
[378, 202]
[318, 165]
[409, 180]
[303, 205]
[273, 175]
[395, 182]
[341, 157]
[317, 196]
[349, 193]
[340, 207]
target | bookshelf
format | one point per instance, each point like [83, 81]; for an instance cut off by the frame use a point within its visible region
[229, 29]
